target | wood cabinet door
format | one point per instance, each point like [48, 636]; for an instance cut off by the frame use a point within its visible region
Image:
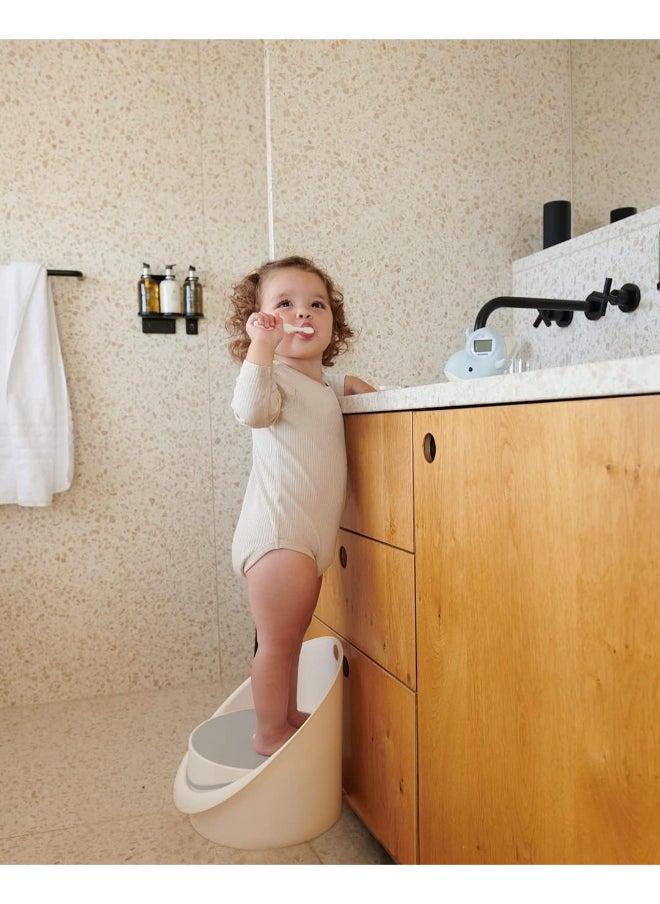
[368, 596]
[379, 763]
[379, 755]
[379, 498]
[538, 632]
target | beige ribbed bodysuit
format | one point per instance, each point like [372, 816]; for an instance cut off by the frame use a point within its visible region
[296, 489]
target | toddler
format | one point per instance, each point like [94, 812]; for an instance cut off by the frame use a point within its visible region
[286, 532]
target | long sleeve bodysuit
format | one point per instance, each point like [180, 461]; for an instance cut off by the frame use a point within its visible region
[296, 488]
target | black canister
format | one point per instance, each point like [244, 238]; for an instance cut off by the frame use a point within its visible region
[556, 222]
[621, 213]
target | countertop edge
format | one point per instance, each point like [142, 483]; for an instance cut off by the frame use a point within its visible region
[620, 377]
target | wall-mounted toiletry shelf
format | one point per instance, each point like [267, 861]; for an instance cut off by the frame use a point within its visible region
[166, 323]
[189, 301]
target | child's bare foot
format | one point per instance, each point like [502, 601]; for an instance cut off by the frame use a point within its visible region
[268, 745]
[297, 718]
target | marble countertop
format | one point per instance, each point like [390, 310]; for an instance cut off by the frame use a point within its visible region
[627, 376]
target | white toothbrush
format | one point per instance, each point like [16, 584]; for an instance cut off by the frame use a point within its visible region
[308, 330]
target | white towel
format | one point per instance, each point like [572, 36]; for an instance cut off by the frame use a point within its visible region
[36, 434]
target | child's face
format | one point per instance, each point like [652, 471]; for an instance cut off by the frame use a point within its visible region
[300, 299]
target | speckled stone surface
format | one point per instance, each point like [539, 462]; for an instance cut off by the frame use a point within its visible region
[616, 123]
[90, 782]
[627, 252]
[114, 153]
[415, 171]
[421, 172]
[633, 376]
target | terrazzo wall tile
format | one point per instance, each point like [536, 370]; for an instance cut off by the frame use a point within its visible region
[237, 240]
[616, 127]
[626, 252]
[414, 171]
[114, 586]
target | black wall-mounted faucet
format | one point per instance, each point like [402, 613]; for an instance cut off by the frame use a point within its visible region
[551, 310]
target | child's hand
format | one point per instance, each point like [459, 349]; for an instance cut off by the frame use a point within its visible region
[265, 328]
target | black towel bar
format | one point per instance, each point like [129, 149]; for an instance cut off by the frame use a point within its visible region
[75, 273]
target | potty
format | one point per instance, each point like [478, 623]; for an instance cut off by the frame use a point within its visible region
[239, 799]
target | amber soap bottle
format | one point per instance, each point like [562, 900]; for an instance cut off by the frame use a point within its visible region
[148, 294]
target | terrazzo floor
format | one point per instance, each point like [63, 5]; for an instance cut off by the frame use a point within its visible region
[90, 782]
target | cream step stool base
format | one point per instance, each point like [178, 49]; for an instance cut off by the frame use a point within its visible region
[239, 799]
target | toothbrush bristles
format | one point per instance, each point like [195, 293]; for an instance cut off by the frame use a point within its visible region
[289, 328]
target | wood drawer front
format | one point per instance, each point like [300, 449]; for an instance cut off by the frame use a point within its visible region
[371, 602]
[379, 501]
[379, 762]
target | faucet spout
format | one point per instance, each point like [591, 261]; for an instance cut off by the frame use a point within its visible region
[545, 306]
[561, 311]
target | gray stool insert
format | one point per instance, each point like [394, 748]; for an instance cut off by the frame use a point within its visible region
[227, 740]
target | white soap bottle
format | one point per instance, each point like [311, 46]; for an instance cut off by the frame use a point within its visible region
[170, 293]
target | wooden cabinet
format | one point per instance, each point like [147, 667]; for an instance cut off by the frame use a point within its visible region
[502, 649]
[538, 632]
[368, 601]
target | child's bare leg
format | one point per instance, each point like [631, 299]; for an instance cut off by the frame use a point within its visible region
[283, 588]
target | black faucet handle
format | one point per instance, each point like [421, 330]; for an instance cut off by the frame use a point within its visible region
[548, 316]
[626, 298]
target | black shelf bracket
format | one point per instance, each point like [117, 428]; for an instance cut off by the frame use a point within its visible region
[166, 323]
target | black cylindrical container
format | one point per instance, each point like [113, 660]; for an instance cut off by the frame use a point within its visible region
[556, 222]
[621, 213]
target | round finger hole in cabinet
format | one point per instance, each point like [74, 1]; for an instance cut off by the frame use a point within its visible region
[429, 447]
[345, 667]
[343, 558]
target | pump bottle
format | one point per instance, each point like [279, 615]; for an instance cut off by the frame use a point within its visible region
[148, 294]
[193, 305]
[170, 295]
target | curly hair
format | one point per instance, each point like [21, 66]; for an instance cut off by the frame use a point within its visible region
[245, 300]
